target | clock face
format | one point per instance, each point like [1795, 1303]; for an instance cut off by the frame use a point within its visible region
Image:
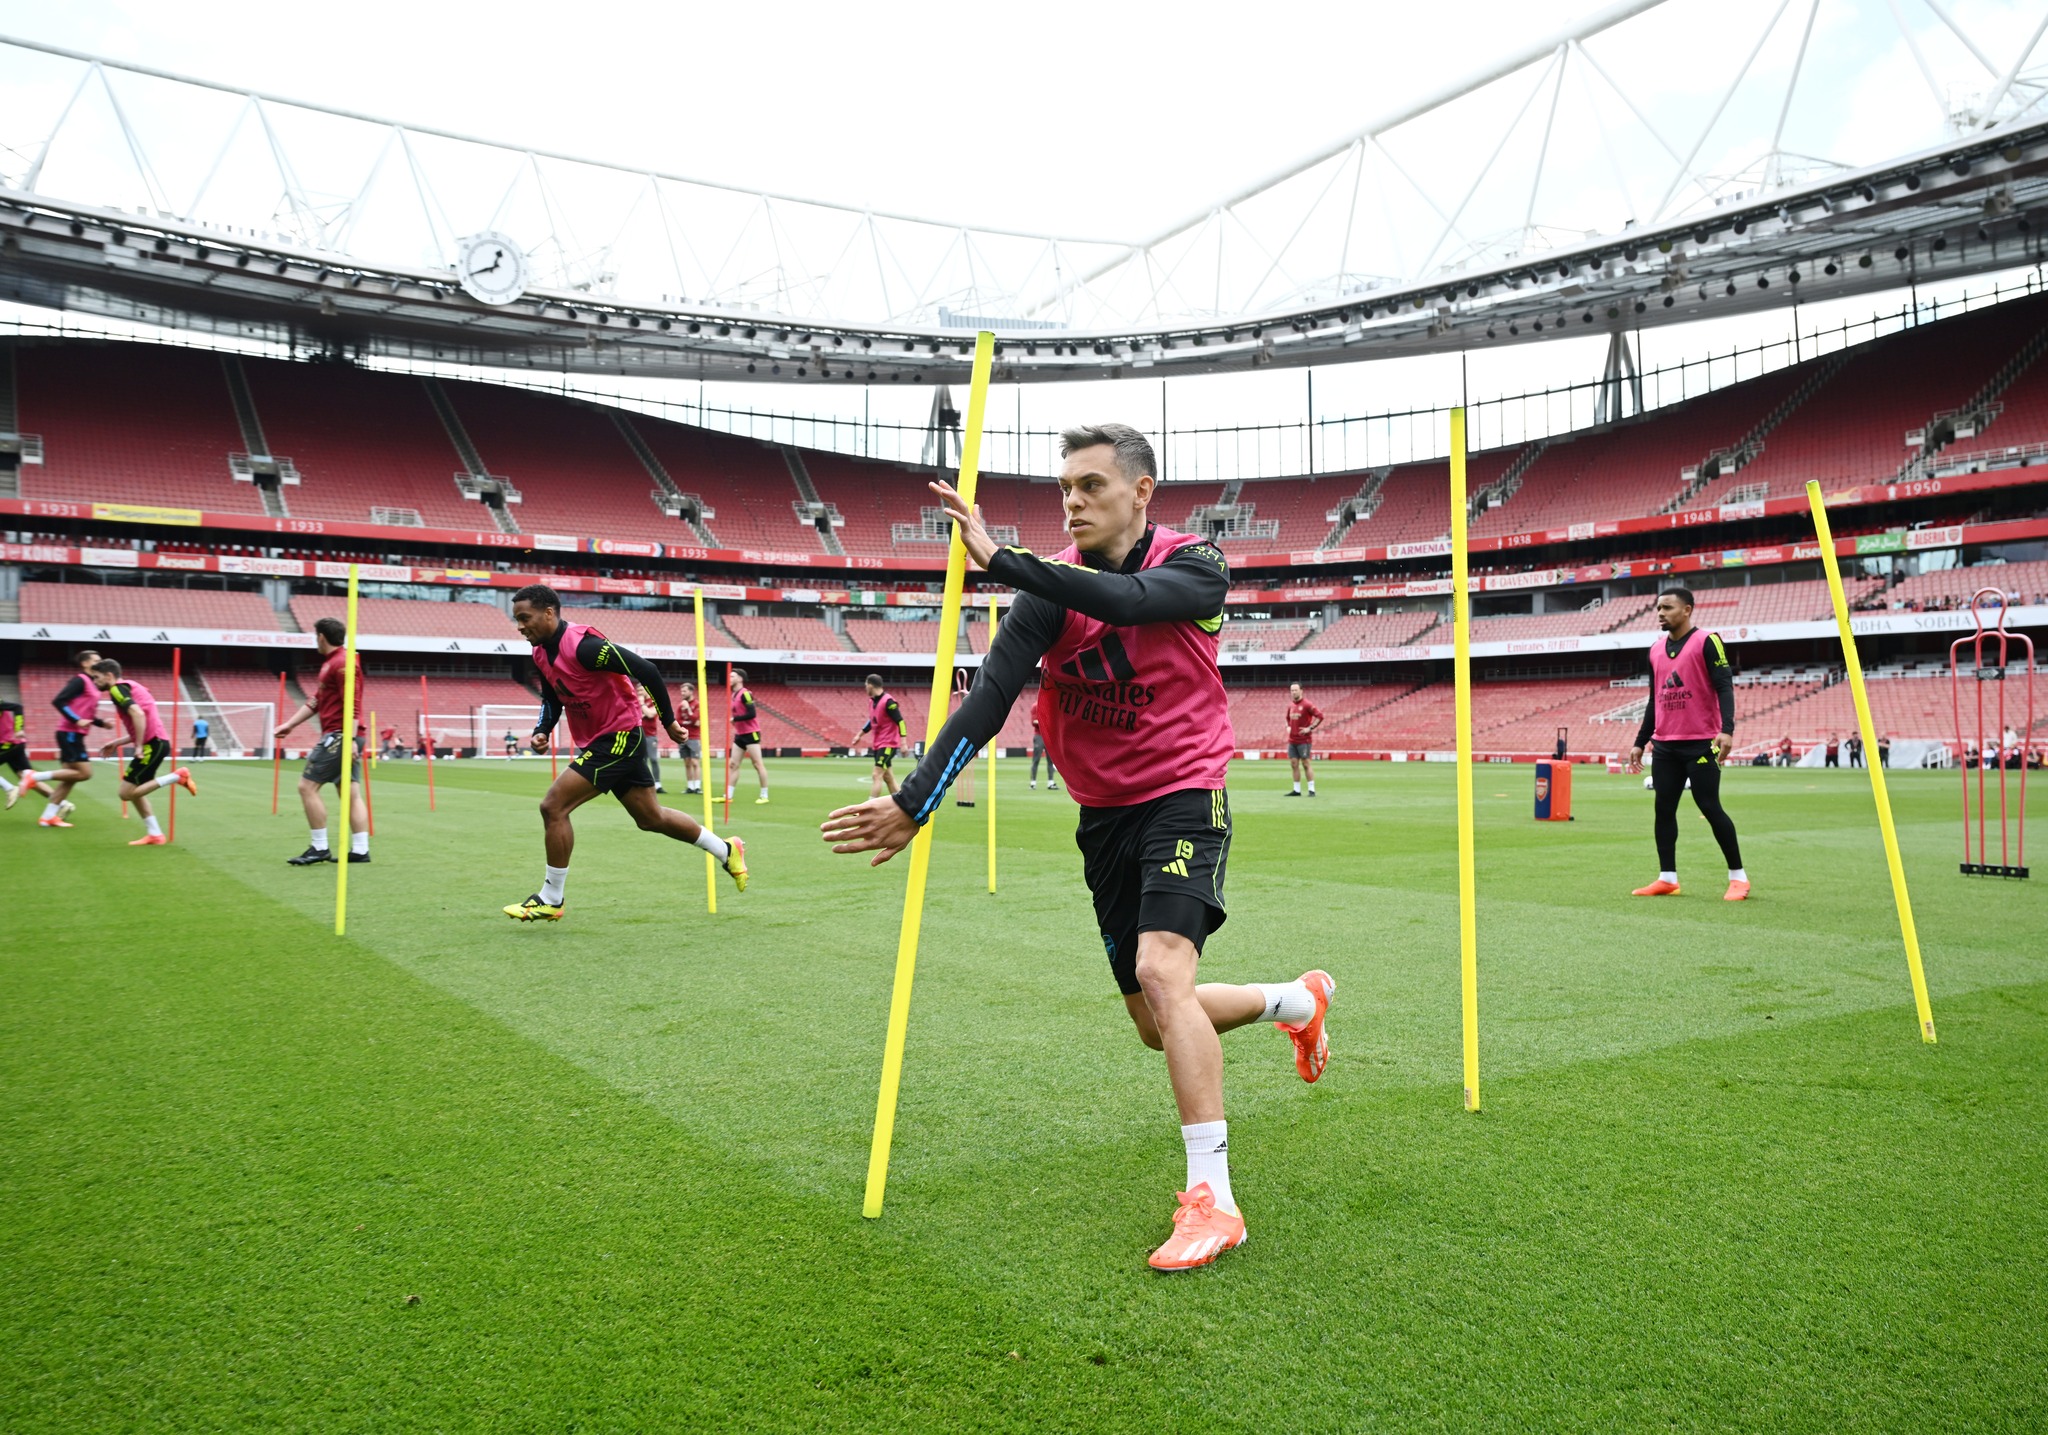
[491, 268]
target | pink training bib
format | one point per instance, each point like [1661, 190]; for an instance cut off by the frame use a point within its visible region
[1130, 714]
[594, 703]
[1687, 708]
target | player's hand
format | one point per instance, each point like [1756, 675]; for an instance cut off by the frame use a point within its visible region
[878, 825]
[1724, 743]
[677, 733]
[1635, 761]
[980, 547]
[538, 742]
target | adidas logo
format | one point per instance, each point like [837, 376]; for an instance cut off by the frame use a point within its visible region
[1178, 867]
[1104, 661]
[1674, 681]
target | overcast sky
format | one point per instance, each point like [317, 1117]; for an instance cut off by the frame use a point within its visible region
[1095, 118]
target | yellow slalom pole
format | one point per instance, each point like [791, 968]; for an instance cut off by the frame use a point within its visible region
[1904, 902]
[348, 752]
[992, 765]
[704, 755]
[921, 845]
[1461, 664]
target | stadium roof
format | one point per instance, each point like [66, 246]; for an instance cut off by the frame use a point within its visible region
[1509, 262]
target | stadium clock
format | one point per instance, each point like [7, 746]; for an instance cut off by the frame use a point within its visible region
[491, 268]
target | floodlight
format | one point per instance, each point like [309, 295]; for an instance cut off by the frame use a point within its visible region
[1864, 262]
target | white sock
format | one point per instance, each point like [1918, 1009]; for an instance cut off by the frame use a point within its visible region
[764, 789]
[33, 777]
[5, 785]
[1291, 1002]
[551, 889]
[319, 839]
[149, 825]
[711, 842]
[1311, 784]
[1297, 787]
[359, 842]
[1738, 874]
[1208, 1147]
[1671, 877]
[50, 810]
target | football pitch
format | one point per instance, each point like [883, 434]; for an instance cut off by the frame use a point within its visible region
[453, 1172]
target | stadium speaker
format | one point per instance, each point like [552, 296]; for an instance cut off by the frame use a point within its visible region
[1763, 281]
[1960, 165]
[1864, 262]
[1912, 181]
[1669, 300]
[1832, 269]
[1641, 307]
[1940, 242]
[1741, 226]
[1901, 253]
[1868, 191]
[1791, 276]
[1731, 287]
[1514, 328]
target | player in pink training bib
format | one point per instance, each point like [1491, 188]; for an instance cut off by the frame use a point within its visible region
[1689, 725]
[597, 686]
[1119, 635]
[135, 705]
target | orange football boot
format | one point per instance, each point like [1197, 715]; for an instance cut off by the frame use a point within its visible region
[183, 777]
[1737, 892]
[1658, 888]
[1311, 1044]
[150, 839]
[1201, 1233]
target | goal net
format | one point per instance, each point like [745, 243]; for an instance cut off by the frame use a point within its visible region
[495, 720]
[232, 729]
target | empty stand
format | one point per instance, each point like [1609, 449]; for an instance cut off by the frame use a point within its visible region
[1032, 508]
[746, 485]
[1301, 506]
[360, 441]
[1415, 500]
[1252, 635]
[137, 607]
[130, 422]
[410, 618]
[1527, 627]
[810, 635]
[572, 468]
[1953, 587]
[884, 635]
[1374, 630]
[870, 497]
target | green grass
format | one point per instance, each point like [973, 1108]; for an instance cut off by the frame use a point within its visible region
[1719, 1182]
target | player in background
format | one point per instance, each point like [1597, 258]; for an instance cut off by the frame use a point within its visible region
[135, 705]
[1052, 777]
[1691, 720]
[201, 731]
[78, 705]
[650, 725]
[323, 763]
[14, 752]
[1303, 718]
[599, 687]
[1833, 757]
[511, 744]
[885, 721]
[1134, 710]
[693, 746]
[746, 733]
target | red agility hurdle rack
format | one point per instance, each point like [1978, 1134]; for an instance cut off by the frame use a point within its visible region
[2012, 837]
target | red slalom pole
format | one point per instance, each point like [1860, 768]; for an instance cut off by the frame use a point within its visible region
[370, 761]
[276, 745]
[730, 754]
[176, 655]
[427, 739]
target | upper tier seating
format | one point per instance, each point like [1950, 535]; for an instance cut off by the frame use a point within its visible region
[130, 423]
[1415, 499]
[870, 498]
[1374, 630]
[2022, 419]
[1032, 508]
[1300, 505]
[1954, 587]
[1633, 469]
[360, 440]
[1852, 430]
[1726, 609]
[125, 605]
[572, 468]
[745, 483]
[409, 617]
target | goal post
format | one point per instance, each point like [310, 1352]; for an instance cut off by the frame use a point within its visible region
[240, 730]
[494, 720]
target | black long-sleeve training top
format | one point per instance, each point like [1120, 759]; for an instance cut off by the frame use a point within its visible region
[1719, 673]
[1188, 587]
[602, 655]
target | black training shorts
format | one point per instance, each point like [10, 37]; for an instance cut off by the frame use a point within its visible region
[15, 755]
[616, 761]
[323, 763]
[1155, 867]
[885, 757]
[148, 758]
[71, 749]
[746, 739]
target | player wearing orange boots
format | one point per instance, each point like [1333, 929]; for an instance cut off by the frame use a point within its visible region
[135, 705]
[1689, 726]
